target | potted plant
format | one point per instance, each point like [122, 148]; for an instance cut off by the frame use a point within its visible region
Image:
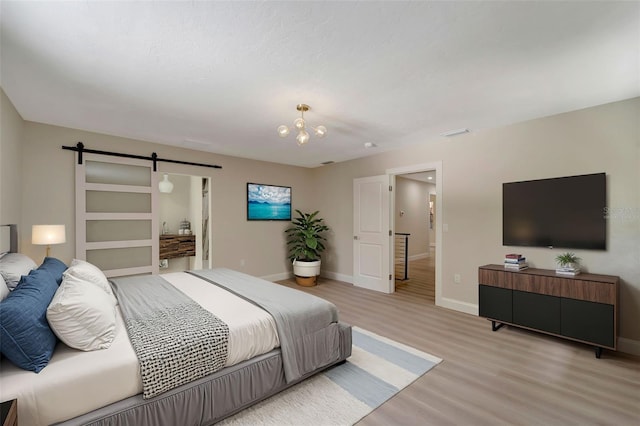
[305, 244]
[568, 262]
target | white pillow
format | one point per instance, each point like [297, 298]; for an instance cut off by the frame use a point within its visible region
[4, 290]
[85, 271]
[15, 265]
[82, 315]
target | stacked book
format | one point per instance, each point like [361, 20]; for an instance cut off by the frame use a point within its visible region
[568, 270]
[515, 262]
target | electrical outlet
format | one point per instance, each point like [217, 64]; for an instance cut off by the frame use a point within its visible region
[456, 278]
[242, 262]
[164, 263]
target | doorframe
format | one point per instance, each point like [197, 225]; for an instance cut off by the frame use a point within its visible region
[416, 168]
[208, 263]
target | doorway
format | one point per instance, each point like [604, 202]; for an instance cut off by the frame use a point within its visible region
[184, 212]
[418, 192]
[415, 237]
[373, 228]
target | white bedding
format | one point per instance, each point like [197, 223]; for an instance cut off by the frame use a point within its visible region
[76, 382]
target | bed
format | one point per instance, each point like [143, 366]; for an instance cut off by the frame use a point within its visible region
[264, 357]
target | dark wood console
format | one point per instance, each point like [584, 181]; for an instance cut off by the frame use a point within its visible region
[583, 308]
[175, 246]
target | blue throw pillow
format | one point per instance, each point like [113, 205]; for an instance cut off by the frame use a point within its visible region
[25, 337]
[53, 266]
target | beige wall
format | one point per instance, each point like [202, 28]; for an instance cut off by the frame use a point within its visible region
[412, 198]
[48, 182]
[11, 130]
[474, 166]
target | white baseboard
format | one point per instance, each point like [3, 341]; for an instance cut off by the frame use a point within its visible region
[278, 277]
[629, 346]
[456, 305]
[327, 274]
[418, 256]
[411, 258]
[336, 276]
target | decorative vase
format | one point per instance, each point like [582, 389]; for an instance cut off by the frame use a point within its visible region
[308, 271]
[306, 281]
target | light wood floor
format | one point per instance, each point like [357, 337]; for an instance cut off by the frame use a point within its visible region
[508, 377]
[421, 281]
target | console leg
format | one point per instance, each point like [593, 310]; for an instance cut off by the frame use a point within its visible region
[495, 327]
[598, 351]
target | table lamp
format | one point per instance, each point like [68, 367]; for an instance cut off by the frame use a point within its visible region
[48, 235]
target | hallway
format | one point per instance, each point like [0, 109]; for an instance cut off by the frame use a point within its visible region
[422, 279]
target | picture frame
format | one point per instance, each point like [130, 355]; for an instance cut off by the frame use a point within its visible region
[268, 202]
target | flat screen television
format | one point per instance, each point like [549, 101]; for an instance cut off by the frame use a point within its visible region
[565, 212]
[268, 202]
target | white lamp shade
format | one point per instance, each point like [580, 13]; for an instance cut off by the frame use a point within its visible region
[165, 185]
[48, 234]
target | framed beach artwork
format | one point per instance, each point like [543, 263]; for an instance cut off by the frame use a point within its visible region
[268, 202]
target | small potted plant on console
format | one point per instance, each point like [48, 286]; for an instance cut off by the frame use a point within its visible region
[568, 264]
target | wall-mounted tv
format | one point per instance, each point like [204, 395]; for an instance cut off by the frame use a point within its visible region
[268, 202]
[565, 212]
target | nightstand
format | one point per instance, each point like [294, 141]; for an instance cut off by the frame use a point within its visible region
[9, 413]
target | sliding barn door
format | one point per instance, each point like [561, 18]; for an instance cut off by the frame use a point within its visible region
[116, 225]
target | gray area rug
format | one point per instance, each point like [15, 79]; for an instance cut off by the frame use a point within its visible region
[377, 370]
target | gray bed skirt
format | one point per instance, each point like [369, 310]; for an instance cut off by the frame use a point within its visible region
[209, 399]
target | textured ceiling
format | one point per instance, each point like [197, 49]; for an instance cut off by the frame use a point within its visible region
[221, 76]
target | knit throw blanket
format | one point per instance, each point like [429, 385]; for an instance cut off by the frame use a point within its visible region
[175, 339]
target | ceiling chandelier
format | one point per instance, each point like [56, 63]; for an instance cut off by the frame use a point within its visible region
[301, 126]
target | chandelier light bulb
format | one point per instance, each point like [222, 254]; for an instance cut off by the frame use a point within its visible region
[299, 123]
[302, 138]
[283, 131]
[320, 131]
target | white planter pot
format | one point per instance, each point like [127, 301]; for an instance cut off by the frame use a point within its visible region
[306, 269]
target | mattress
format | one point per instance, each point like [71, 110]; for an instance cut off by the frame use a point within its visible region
[76, 382]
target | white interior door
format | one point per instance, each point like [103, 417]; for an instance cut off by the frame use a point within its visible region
[371, 239]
